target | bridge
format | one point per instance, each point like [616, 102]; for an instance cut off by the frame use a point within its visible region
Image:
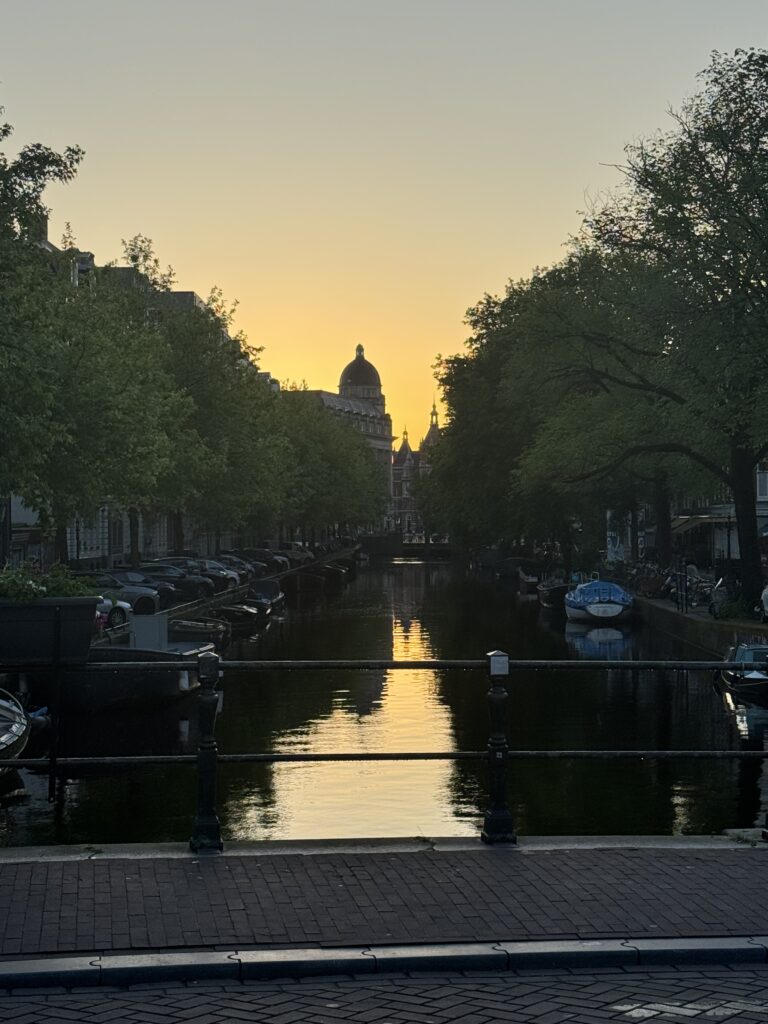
[394, 545]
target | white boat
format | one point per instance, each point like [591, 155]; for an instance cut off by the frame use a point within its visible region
[598, 601]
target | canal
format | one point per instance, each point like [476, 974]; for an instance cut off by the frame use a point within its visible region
[412, 610]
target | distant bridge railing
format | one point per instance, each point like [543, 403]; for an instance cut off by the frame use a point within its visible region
[498, 824]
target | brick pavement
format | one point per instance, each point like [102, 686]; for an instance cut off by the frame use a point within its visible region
[334, 899]
[690, 995]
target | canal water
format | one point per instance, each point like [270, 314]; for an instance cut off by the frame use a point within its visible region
[412, 610]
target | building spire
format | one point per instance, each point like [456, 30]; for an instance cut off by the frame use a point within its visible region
[359, 351]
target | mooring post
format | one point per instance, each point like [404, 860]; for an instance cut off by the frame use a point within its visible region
[206, 837]
[499, 826]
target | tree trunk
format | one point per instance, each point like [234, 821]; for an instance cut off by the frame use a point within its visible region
[745, 505]
[663, 515]
[177, 532]
[633, 537]
[60, 544]
[133, 536]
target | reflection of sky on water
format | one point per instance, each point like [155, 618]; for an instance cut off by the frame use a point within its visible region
[414, 611]
[369, 712]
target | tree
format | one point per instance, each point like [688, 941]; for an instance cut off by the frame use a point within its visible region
[30, 291]
[332, 474]
[112, 406]
[645, 346]
[23, 180]
[695, 211]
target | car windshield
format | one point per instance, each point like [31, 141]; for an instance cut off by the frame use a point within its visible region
[102, 580]
[131, 577]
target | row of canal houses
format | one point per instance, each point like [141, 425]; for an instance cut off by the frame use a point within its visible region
[703, 528]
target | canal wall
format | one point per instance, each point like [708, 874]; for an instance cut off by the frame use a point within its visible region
[712, 636]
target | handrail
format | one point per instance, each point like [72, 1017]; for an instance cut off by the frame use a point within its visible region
[159, 760]
[498, 823]
[364, 665]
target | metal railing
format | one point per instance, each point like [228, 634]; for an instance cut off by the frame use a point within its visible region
[498, 824]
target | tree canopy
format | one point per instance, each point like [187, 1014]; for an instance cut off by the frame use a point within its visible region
[640, 357]
[114, 388]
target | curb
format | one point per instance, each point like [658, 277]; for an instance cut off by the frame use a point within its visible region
[270, 964]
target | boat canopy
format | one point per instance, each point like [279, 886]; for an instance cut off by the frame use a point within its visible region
[751, 655]
[598, 591]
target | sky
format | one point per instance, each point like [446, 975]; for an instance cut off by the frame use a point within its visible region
[351, 171]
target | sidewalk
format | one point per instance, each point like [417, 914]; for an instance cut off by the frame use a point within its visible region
[381, 906]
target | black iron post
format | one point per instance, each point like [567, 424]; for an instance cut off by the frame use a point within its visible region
[55, 705]
[499, 826]
[206, 837]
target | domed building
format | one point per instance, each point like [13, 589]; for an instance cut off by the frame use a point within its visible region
[361, 403]
[360, 379]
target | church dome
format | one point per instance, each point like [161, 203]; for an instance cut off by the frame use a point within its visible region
[359, 373]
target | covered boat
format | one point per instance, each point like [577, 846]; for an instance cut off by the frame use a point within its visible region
[598, 600]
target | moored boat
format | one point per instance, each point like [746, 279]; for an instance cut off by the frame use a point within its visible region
[14, 727]
[750, 683]
[552, 595]
[528, 576]
[213, 631]
[598, 600]
[269, 590]
[115, 683]
[246, 617]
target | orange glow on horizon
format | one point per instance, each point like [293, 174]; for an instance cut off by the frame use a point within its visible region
[351, 173]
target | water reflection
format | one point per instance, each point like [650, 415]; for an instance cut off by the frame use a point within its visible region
[609, 643]
[418, 611]
[750, 728]
[371, 711]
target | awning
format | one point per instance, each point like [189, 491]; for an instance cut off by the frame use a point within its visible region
[682, 524]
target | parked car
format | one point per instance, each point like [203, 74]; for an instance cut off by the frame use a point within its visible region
[239, 576]
[275, 563]
[296, 553]
[134, 577]
[221, 578]
[143, 600]
[251, 569]
[192, 586]
[111, 613]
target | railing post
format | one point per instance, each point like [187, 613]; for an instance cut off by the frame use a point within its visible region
[499, 826]
[206, 837]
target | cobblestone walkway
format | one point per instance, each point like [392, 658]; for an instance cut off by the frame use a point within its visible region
[701, 996]
[379, 898]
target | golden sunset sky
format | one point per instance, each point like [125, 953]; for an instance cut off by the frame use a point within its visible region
[350, 171]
